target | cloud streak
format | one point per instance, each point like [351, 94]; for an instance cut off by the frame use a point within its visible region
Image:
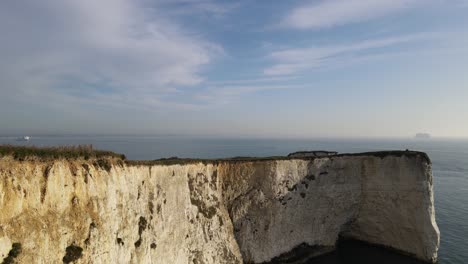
[295, 60]
[210, 7]
[330, 13]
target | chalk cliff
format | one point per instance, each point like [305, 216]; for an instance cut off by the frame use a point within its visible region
[224, 211]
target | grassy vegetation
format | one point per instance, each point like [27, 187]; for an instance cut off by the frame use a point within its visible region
[51, 153]
[386, 153]
[182, 161]
[169, 161]
[87, 152]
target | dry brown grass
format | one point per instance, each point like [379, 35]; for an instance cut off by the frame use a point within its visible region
[50, 153]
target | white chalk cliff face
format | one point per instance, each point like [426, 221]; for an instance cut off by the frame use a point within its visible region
[213, 212]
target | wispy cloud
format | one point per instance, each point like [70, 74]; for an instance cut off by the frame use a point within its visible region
[256, 81]
[329, 13]
[220, 95]
[211, 7]
[295, 60]
[88, 48]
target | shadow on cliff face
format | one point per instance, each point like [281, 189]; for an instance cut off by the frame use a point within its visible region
[352, 252]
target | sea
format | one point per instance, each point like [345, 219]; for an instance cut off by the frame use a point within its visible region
[449, 158]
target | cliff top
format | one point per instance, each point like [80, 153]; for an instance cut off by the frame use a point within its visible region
[87, 152]
[52, 153]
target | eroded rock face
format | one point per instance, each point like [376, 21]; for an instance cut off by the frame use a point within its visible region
[397, 207]
[221, 212]
[77, 212]
[280, 205]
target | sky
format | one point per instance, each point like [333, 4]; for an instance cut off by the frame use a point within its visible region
[309, 68]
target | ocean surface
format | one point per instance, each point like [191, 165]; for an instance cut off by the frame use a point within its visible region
[449, 157]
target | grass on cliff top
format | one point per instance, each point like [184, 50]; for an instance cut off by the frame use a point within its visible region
[88, 152]
[182, 161]
[50, 153]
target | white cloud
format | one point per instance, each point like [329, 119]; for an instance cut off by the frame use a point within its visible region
[329, 13]
[253, 81]
[211, 7]
[293, 61]
[87, 47]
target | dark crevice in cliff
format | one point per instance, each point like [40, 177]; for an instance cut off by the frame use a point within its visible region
[91, 227]
[142, 225]
[44, 181]
[72, 253]
[120, 241]
[14, 253]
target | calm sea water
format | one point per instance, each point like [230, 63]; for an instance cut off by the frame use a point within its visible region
[449, 157]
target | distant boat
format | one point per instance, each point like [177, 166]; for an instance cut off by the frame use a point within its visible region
[25, 138]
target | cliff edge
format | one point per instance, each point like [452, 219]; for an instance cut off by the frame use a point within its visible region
[103, 209]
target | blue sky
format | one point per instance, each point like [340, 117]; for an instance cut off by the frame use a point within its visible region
[323, 68]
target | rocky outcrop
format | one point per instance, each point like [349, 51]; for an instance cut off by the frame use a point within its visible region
[225, 211]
